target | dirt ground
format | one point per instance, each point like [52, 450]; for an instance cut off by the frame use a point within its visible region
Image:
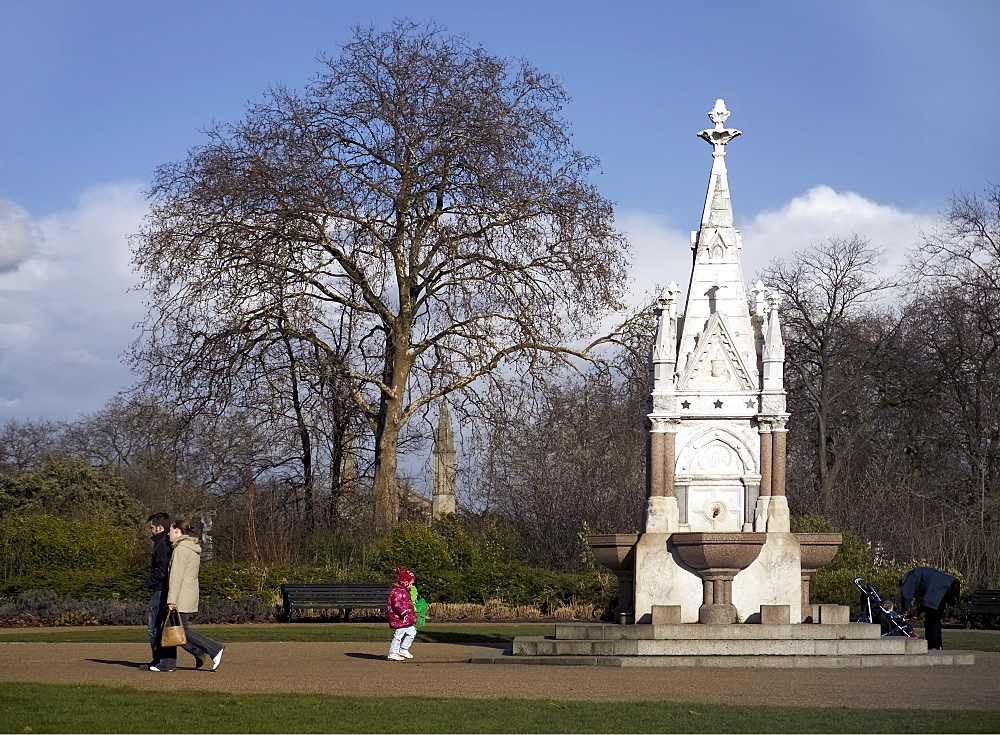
[441, 670]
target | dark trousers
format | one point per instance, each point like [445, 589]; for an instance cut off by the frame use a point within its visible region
[932, 627]
[156, 615]
[197, 645]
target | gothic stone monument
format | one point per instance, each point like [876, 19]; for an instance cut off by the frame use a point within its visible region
[717, 436]
[715, 547]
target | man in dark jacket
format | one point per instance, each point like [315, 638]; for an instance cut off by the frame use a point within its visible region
[929, 590]
[156, 580]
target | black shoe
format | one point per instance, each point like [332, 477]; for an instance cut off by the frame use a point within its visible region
[200, 661]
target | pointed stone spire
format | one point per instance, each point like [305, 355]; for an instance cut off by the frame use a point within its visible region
[718, 207]
[774, 350]
[716, 286]
[444, 465]
[665, 346]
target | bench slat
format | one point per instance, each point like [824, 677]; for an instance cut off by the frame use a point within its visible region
[982, 602]
[334, 596]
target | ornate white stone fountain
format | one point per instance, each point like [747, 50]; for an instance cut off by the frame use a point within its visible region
[716, 547]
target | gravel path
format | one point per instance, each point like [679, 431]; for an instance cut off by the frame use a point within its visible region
[441, 670]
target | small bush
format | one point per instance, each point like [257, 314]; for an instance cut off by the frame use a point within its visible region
[250, 609]
[45, 607]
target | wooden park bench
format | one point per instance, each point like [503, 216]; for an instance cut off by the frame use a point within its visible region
[344, 597]
[982, 602]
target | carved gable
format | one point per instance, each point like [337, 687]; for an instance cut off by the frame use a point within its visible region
[716, 364]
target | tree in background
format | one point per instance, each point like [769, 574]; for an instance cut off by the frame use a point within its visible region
[566, 458]
[418, 220]
[836, 336]
[958, 266]
[72, 490]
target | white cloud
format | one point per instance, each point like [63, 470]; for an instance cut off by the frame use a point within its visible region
[662, 253]
[67, 307]
[18, 235]
[823, 213]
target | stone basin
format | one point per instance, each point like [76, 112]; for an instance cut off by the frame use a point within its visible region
[718, 557]
[818, 549]
[707, 550]
[616, 551]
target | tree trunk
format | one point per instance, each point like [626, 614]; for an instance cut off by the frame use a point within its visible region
[305, 439]
[825, 452]
[385, 489]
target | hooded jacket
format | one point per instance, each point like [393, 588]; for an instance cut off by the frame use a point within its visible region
[184, 565]
[159, 563]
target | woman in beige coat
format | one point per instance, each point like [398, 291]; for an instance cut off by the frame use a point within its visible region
[182, 596]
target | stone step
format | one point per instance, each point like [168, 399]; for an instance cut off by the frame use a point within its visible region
[542, 646]
[691, 631]
[932, 658]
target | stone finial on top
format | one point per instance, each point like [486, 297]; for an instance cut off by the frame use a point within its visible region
[759, 292]
[719, 136]
[669, 294]
[719, 114]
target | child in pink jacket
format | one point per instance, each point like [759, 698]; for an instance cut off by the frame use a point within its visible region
[402, 616]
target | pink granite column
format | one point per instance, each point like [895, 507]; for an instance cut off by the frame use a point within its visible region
[765, 460]
[662, 462]
[778, 461]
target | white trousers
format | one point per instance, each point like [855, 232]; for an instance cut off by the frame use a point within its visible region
[402, 638]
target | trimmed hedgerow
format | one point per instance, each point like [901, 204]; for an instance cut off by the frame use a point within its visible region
[48, 608]
[44, 543]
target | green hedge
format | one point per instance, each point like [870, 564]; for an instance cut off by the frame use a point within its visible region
[37, 543]
[125, 585]
[452, 567]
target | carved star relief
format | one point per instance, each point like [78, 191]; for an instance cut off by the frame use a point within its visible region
[751, 403]
[718, 403]
[686, 404]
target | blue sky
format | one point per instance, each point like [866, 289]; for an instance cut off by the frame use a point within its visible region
[858, 116]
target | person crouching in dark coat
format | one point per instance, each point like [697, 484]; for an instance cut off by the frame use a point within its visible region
[929, 591]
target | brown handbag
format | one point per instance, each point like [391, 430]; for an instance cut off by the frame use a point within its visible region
[173, 631]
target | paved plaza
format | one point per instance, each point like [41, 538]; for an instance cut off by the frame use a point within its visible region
[441, 670]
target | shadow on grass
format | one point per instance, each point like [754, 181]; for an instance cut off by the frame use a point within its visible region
[468, 639]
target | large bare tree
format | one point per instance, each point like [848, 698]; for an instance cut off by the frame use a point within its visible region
[421, 191]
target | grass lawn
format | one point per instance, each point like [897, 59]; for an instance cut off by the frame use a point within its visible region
[472, 633]
[49, 708]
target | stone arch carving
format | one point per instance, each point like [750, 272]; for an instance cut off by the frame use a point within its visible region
[717, 451]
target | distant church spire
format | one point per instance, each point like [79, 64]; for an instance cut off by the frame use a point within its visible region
[444, 465]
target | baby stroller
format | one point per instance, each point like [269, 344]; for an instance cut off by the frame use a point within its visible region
[892, 623]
